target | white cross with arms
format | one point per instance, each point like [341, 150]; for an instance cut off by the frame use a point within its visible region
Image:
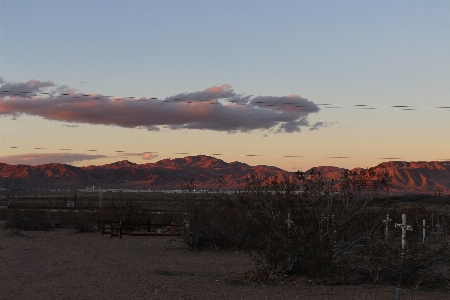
[404, 227]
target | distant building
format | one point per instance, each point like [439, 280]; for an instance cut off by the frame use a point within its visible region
[93, 189]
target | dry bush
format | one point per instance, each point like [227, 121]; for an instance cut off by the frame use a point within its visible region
[311, 225]
[322, 228]
[3, 214]
[423, 263]
[42, 220]
[215, 221]
[128, 211]
[83, 220]
[420, 265]
[62, 218]
[27, 219]
[329, 229]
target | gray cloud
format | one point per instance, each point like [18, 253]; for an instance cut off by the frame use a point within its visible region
[23, 89]
[318, 125]
[35, 159]
[216, 108]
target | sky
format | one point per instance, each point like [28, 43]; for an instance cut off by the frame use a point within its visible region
[292, 84]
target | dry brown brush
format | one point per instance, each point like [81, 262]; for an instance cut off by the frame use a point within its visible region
[324, 228]
[215, 220]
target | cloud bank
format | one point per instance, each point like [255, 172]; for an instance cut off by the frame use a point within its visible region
[35, 159]
[216, 108]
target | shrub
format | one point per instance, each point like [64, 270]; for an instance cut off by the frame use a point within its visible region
[420, 264]
[216, 221]
[23, 219]
[128, 211]
[310, 225]
[83, 221]
[426, 264]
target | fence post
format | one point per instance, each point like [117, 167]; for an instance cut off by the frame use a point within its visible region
[112, 229]
[432, 220]
[386, 228]
[103, 227]
[444, 225]
[120, 228]
[398, 293]
[423, 232]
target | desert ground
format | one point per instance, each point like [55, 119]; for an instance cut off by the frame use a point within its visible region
[62, 264]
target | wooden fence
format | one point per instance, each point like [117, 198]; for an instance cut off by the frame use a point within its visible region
[122, 227]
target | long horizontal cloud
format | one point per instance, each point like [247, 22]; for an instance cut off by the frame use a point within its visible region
[35, 159]
[216, 108]
[143, 155]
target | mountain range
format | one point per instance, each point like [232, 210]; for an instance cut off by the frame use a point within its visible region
[204, 172]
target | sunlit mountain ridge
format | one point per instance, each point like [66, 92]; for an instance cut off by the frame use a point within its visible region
[204, 172]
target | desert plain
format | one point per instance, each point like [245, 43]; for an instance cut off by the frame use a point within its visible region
[63, 264]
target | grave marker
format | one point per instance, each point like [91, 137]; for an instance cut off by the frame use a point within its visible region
[404, 228]
[386, 229]
[289, 221]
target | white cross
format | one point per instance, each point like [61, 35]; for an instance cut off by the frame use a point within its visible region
[404, 227]
[289, 221]
[386, 229]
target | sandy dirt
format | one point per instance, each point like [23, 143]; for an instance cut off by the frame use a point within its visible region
[62, 264]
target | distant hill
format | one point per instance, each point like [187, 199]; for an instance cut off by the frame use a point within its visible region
[204, 172]
[419, 177]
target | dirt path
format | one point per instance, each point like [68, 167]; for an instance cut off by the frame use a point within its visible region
[62, 264]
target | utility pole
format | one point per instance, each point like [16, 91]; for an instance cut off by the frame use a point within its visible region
[100, 197]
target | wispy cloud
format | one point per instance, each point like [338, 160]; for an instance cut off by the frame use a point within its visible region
[318, 125]
[216, 108]
[35, 159]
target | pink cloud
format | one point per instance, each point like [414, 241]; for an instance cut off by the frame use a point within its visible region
[143, 155]
[216, 108]
[149, 156]
[35, 159]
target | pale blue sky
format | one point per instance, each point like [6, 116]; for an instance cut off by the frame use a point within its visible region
[379, 53]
